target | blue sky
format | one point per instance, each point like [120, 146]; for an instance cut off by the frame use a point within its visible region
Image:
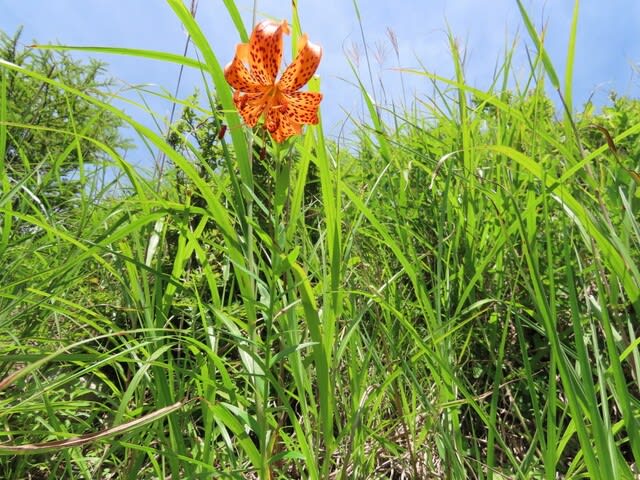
[607, 48]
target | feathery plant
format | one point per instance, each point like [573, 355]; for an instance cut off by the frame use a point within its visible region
[454, 296]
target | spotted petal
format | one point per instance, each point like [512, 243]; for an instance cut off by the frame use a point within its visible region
[280, 125]
[265, 50]
[238, 76]
[250, 106]
[303, 66]
[302, 107]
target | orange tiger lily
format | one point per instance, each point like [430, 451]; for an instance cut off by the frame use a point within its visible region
[257, 93]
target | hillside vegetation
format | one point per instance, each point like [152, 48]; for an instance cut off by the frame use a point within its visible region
[452, 292]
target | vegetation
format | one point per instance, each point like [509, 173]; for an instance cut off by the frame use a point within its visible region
[455, 295]
[40, 117]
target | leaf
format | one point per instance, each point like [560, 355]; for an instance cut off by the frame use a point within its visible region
[34, 448]
[607, 135]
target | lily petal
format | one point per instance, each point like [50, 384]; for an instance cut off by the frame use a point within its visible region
[280, 125]
[250, 106]
[265, 50]
[302, 107]
[238, 76]
[303, 66]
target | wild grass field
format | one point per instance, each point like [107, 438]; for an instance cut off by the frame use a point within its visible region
[452, 291]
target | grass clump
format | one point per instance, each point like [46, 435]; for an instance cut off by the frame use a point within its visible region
[454, 296]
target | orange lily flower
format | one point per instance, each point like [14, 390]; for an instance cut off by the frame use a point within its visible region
[257, 92]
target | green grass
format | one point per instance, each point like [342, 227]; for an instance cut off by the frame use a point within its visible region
[454, 296]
